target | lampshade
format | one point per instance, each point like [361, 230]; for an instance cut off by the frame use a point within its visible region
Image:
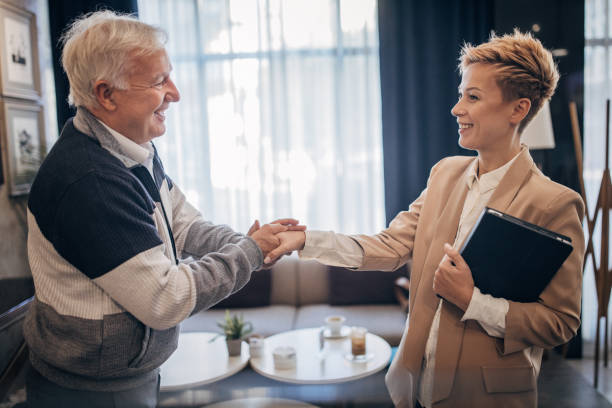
[539, 132]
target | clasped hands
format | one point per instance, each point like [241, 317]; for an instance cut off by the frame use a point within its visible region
[452, 279]
[277, 238]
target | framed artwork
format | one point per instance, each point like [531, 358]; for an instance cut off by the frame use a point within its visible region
[19, 71]
[23, 142]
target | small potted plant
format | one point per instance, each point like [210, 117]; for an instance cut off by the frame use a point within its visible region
[234, 329]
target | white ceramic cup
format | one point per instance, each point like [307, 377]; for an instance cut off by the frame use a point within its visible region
[334, 324]
[256, 345]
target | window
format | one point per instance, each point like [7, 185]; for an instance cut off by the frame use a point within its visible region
[597, 77]
[280, 110]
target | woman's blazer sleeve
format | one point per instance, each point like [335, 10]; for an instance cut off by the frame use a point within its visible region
[555, 317]
[392, 247]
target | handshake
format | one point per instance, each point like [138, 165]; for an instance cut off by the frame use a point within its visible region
[278, 238]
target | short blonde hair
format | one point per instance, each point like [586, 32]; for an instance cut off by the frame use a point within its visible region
[99, 46]
[525, 69]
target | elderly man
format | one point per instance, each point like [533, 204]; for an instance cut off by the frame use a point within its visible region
[109, 231]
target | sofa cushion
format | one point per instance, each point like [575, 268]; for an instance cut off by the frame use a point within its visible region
[266, 321]
[312, 283]
[350, 287]
[386, 321]
[284, 282]
[255, 293]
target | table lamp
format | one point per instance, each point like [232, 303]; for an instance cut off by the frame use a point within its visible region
[539, 134]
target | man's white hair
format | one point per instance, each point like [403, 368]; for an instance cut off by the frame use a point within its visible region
[100, 46]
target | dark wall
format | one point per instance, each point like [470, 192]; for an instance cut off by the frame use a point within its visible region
[561, 27]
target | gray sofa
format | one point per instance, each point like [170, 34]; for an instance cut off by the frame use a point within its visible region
[303, 293]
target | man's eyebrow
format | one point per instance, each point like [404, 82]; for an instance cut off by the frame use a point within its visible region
[161, 75]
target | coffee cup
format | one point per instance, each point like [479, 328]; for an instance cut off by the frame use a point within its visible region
[256, 345]
[334, 324]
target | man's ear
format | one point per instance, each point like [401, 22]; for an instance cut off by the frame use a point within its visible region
[104, 95]
[520, 110]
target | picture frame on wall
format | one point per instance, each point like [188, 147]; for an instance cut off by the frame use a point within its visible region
[23, 143]
[19, 69]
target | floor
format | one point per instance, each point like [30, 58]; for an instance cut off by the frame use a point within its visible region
[586, 367]
[563, 383]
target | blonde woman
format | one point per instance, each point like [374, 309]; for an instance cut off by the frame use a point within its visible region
[473, 350]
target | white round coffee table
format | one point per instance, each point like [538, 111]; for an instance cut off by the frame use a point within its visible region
[261, 403]
[328, 367]
[198, 362]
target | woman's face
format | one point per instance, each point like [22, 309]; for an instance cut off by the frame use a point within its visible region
[484, 118]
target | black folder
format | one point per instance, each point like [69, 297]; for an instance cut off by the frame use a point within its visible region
[511, 258]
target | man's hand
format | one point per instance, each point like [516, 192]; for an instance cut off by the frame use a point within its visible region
[453, 279]
[289, 241]
[290, 224]
[265, 237]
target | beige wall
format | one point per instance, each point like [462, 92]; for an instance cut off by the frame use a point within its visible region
[13, 227]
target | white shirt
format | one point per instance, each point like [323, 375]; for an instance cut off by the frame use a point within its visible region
[141, 153]
[340, 250]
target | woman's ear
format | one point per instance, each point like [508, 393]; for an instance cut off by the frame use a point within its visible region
[520, 110]
[104, 95]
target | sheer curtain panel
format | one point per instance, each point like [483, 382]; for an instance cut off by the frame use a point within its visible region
[280, 110]
[597, 88]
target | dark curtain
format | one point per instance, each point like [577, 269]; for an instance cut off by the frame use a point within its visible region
[62, 13]
[419, 47]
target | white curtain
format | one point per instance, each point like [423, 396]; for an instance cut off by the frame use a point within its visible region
[280, 110]
[597, 88]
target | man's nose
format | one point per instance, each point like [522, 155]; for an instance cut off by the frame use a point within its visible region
[173, 94]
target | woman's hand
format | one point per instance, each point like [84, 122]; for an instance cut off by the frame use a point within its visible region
[290, 224]
[289, 241]
[453, 279]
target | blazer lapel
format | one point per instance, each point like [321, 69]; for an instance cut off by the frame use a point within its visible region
[445, 231]
[412, 347]
[512, 181]
[450, 335]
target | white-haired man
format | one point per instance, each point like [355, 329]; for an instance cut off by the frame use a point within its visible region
[109, 230]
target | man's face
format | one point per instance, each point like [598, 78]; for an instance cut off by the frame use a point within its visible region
[141, 109]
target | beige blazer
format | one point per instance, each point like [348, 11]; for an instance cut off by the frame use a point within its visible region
[474, 369]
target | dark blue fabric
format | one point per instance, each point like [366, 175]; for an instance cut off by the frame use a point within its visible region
[95, 211]
[148, 183]
[152, 187]
[419, 47]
